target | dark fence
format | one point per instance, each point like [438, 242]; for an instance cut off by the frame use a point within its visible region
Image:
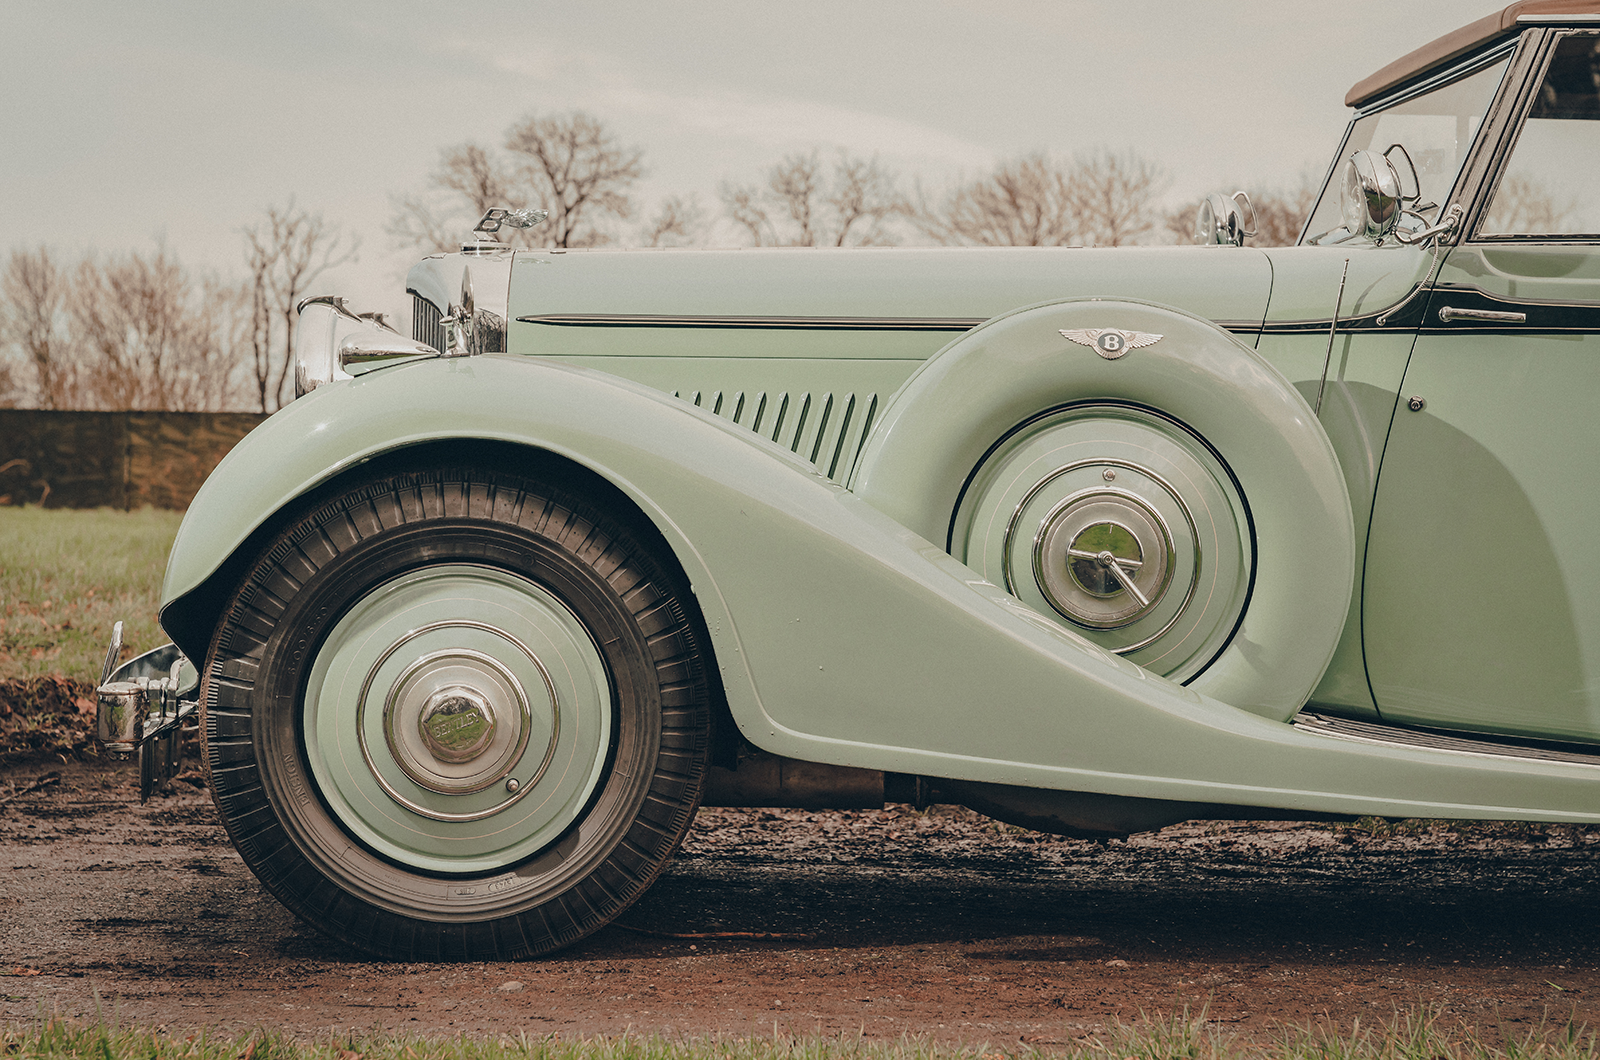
[112, 459]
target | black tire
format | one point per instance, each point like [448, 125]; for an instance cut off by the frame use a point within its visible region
[494, 616]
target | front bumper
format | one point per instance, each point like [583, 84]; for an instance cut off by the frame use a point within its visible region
[142, 706]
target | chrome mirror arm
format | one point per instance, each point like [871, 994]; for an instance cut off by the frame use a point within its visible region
[1416, 181]
[1254, 222]
[1447, 225]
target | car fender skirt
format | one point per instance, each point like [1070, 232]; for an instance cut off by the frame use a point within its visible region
[840, 635]
[1295, 530]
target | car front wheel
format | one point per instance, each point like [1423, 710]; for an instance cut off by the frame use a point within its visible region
[453, 714]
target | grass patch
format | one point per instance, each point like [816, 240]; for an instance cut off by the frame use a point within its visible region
[66, 576]
[1418, 1035]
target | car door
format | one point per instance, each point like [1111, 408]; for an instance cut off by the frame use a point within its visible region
[1481, 596]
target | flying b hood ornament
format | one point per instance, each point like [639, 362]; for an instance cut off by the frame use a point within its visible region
[1110, 343]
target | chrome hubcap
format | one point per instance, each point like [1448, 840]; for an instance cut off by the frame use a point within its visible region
[456, 721]
[1103, 558]
[457, 724]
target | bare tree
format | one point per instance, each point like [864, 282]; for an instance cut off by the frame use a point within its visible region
[794, 185]
[742, 202]
[472, 172]
[285, 254]
[1112, 197]
[467, 175]
[569, 164]
[1178, 223]
[1024, 202]
[127, 318]
[153, 338]
[260, 255]
[863, 193]
[34, 292]
[12, 390]
[1103, 199]
[678, 222]
[224, 379]
[801, 205]
[1525, 207]
[132, 332]
[416, 222]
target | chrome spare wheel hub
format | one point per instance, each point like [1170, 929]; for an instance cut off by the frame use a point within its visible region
[1120, 523]
[1103, 558]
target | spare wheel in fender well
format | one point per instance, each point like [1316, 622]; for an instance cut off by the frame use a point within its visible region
[1205, 400]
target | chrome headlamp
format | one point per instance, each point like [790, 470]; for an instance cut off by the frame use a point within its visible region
[1373, 195]
[1220, 220]
[330, 340]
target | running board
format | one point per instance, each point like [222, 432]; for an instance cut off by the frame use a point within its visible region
[1502, 747]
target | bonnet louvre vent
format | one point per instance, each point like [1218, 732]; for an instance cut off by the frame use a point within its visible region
[826, 429]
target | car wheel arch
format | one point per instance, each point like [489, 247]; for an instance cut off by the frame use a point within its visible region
[191, 618]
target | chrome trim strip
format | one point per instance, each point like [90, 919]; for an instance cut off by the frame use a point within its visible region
[1365, 322]
[1449, 313]
[1440, 75]
[1485, 745]
[1555, 20]
[650, 320]
[1551, 316]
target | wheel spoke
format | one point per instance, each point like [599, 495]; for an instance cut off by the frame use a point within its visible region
[1078, 553]
[1119, 569]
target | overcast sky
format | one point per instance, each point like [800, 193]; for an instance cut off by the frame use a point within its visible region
[124, 124]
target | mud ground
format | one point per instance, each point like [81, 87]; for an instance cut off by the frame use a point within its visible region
[940, 924]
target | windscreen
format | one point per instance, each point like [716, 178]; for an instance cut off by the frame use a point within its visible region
[1436, 129]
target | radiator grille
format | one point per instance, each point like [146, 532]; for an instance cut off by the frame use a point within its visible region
[826, 429]
[425, 323]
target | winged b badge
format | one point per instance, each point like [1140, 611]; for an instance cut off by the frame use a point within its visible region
[1110, 343]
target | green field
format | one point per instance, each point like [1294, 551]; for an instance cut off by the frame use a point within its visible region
[66, 576]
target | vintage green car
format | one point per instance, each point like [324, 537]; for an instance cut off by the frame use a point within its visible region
[1089, 540]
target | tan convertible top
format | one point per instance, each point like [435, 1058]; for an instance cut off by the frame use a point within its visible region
[1470, 37]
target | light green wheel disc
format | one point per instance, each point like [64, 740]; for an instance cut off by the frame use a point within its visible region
[458, 719]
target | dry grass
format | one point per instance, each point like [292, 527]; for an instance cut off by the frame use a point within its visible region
[1415, 1035]
[66, 576]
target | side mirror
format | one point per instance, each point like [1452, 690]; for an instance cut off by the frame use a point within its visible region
[1220, 221]
[1373, 195]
